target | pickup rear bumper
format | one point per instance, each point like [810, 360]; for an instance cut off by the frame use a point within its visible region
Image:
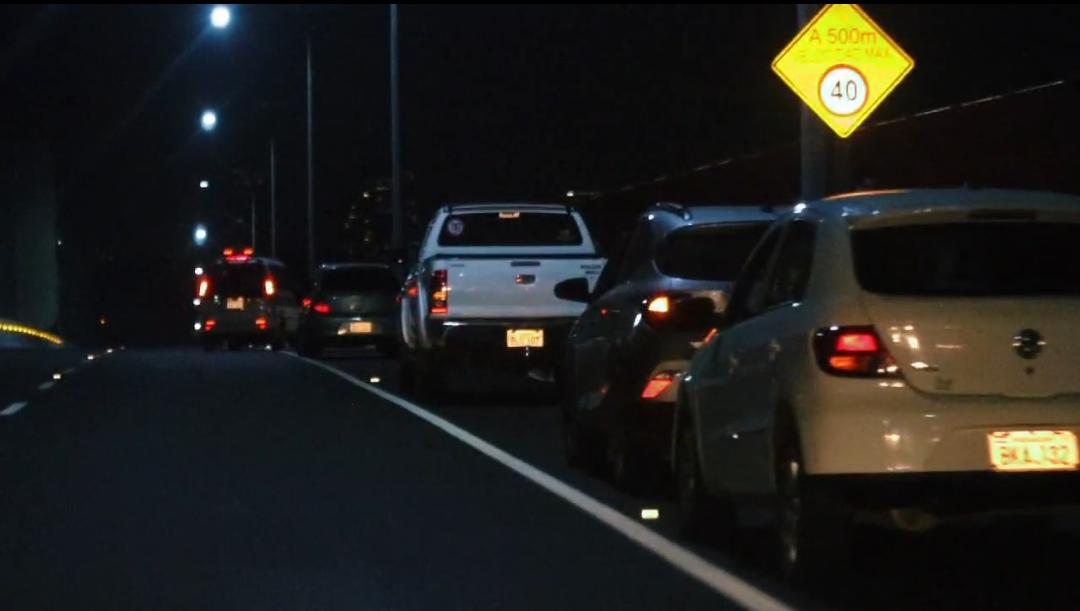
[484, 341]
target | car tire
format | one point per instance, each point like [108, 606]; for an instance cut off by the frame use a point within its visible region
[388, 349]
[701, 515]
[812, 537]
[428, 377]
[634, 470]
[310, 348]
[582, 447]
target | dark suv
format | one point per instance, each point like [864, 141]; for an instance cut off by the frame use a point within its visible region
[651, 308]
[243, 299]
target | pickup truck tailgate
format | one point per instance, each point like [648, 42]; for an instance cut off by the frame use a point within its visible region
[501, 288]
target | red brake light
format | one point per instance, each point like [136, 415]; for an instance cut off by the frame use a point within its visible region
[210, 324]
[204, 288]
[228, 252]
[658, 384]
[857, 342]
[853, 351]
[249, 252]
[306, 302]
[440, 292]
[261, 323]
[269, 286]
[322, 308]
[413, 291]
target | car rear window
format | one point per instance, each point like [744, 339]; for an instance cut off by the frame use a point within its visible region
[709, 252]
[969, 259]
[359, 279]
[510, 229]
[239, 280]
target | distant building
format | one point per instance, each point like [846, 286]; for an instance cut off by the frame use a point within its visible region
[366, 225]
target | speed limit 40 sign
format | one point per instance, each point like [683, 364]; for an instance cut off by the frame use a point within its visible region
[842, 65]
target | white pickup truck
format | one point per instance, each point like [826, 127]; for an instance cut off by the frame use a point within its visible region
[482, 291]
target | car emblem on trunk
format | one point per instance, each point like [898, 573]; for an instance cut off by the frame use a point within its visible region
[1028, 343]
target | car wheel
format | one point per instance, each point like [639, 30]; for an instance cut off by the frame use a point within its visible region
[811, 536]
[633, 469]
[701, 515]
[428, 377]
[582, 448]
[310, 348]
[388, 349]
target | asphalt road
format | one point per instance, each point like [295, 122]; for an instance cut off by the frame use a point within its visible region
[178, 479]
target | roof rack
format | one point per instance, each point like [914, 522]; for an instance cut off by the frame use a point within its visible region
[674, 208]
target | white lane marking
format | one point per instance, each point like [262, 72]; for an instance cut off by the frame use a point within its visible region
[46, 385]
[723, 582]
[13, 409]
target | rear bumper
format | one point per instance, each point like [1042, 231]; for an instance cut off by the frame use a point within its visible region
[335, 330]
[954, 494]
[485, 340]
[851, 426]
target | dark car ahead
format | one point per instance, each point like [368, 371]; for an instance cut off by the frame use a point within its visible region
[352, 304]
[652, 307]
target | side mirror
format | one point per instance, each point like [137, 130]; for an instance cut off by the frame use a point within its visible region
[574, 289]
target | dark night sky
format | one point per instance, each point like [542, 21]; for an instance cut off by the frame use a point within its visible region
[498, 102]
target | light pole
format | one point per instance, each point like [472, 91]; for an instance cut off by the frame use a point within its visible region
[395, 134]
[310, 167]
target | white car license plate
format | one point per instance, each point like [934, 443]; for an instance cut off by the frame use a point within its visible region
[524, 338]
[359, 328]
[234, 303]
[1033, 450]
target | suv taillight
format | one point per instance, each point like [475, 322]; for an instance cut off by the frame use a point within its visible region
[440, 292]
[853, 351]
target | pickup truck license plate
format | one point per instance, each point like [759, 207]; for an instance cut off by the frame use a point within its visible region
[524, 338]
[1033, 450]
[234, 303]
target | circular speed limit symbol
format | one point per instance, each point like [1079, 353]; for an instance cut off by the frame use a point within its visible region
[843, 90]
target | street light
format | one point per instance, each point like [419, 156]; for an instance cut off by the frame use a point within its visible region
[204, 184]
[220, 17]
[209, 120]
[200, 235]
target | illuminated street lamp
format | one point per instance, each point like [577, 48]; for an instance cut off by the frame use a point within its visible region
[220, 17]
[200, 235]
[208, 120]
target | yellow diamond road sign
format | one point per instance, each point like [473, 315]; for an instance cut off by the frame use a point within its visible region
[842, 65]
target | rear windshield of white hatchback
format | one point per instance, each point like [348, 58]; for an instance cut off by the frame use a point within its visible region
[976, 259]
[510, 229]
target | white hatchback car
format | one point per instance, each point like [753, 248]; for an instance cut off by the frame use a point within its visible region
[909, 355]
